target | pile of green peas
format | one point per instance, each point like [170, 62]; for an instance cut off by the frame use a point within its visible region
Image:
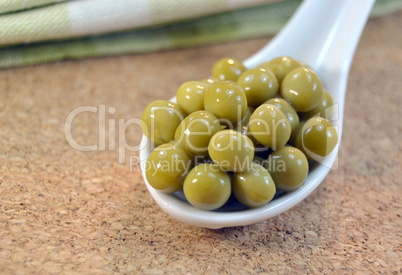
[242, 133]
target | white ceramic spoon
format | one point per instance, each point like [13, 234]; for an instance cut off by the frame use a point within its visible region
[323, 34]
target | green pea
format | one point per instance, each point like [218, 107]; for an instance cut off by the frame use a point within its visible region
[270, 126]
[231, 150]
[160, 120]
[207, 187]
[255, 187]
[227, 101]
[259, 85]
[196, 130]
[228, 69]
[190, 96]
[288, 167]
[317, 138]
[166, 167]
[302, 88]
[281, 66]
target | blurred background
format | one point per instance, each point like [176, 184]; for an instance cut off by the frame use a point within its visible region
[34, 32]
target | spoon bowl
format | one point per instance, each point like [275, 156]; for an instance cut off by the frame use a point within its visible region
[323, 34]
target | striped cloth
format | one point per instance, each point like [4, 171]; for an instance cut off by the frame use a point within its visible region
[38, 31]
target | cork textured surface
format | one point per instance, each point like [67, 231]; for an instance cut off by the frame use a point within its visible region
[66, 211]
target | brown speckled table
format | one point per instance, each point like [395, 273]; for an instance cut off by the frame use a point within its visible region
[66, 211]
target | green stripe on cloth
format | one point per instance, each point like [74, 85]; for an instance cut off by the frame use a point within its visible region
[251, 22]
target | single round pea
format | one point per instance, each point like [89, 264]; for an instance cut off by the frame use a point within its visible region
[281, 66]
[228, 69]
[196, 130]
[288, 167]
[160, 120]
[302, 88]
[227, 101]
[253, 188]
[166, 167]
[190, 96]
[270, 126]
[322, 110]
[207, 187]
[317, 138]
[259, 85]
[231, 150]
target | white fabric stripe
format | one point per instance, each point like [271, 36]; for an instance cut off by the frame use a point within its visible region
[99, 16]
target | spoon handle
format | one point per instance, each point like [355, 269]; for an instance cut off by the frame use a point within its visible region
[322, 33]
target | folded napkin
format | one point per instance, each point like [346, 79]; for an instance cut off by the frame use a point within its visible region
[33, 32]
